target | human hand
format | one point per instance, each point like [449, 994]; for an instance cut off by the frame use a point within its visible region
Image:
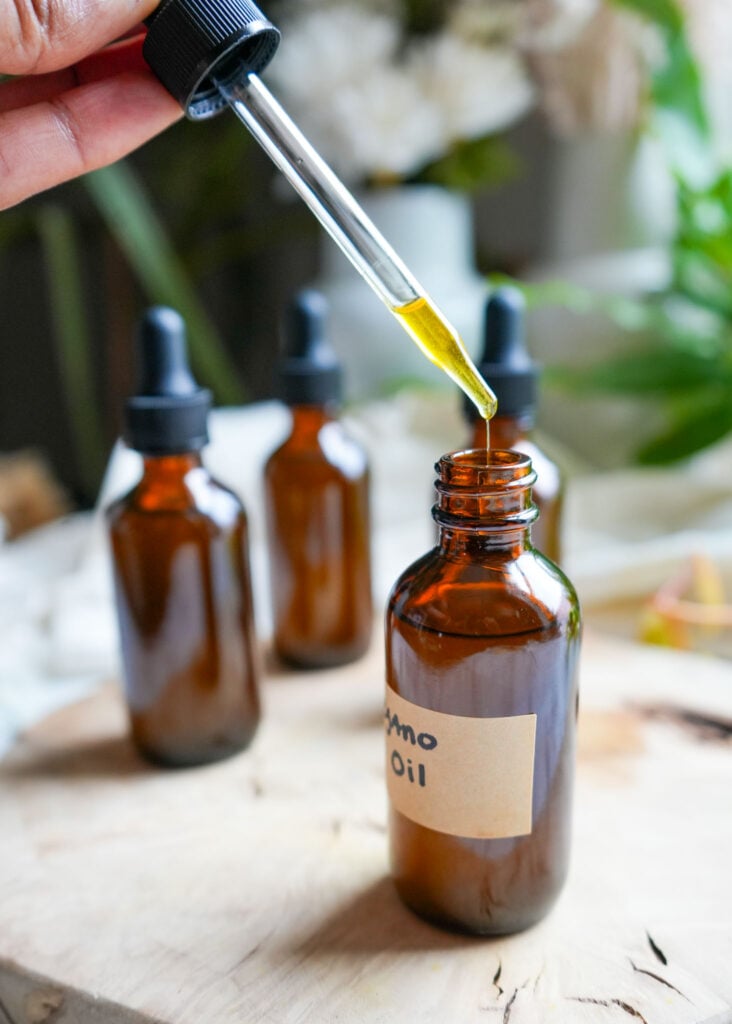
[75, 107]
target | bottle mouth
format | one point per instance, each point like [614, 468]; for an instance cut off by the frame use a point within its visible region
[478, 470]
[485, 490]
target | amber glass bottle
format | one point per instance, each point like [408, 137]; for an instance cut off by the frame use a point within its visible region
[482, 637]
[317, 495]
[506, 365]
[181, 572]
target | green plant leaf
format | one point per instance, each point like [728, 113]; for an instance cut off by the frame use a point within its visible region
[702, 250]
[659, 371]
[699, 278]
[688, 366]
[72, 340]
[677, 84]
[697, 428]
[14, 226]
[422, 16]
[630, 314]
[685, 324]
[665, 13]
[679, 116]
[132, 220]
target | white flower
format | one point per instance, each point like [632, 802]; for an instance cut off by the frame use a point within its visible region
[378, 105]
[477, 89]
[380, 126]
[555, 24]
[325, 48]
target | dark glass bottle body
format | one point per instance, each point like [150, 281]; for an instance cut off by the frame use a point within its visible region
[317, 496]
[181, 574]
[484, 626]
[514, 432]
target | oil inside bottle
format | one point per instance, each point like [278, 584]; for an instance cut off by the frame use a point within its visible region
[489, 886]
[443, 346]
[181, 570]
[317, 495]
[481, 629]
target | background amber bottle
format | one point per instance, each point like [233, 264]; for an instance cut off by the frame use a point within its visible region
[484, 631]
[317, 495]
[181, 571]
[506, 365]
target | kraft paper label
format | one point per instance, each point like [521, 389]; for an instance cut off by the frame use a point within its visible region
[471, 777]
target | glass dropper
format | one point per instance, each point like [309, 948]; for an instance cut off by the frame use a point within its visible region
[208, 54]
[355, 233]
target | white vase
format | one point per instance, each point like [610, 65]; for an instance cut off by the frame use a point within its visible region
[431, 229]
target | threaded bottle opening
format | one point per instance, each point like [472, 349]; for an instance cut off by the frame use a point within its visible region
[486, 491]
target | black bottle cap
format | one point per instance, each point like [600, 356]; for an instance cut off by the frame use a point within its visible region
[505, 362]
[169, 413]
[310, 373]
[188, 41]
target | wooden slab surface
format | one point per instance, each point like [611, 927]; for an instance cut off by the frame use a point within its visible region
[256, 890]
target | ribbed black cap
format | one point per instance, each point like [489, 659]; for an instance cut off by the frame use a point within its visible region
[505, 362]
[188, 40]
[310, 373]
[169, 413]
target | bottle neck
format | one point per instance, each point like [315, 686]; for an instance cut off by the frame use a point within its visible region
[484, 501]
[307, 420]
[169, 469]
[169, 483]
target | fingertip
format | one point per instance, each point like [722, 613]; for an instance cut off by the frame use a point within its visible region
[79, 131]
[116, 59]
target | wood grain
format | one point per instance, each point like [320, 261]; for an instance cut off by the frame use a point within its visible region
[257, 890]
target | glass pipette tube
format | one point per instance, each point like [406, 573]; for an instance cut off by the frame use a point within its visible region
[357, 236]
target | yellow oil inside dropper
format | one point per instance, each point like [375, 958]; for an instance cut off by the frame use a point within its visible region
[357, 236]
[443, 346]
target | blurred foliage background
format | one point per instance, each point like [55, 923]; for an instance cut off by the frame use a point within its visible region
[184, 222]
[680, 339]
[193, 220]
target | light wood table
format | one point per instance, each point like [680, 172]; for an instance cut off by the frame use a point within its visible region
[257, 890]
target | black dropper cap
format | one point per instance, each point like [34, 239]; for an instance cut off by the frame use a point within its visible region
[505, 362]
[310, 373]
[169, 413]
[190, 41]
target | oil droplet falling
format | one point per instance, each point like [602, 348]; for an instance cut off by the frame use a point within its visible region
[483, 435]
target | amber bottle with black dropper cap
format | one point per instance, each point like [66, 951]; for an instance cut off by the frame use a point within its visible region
[482, 638]
[513, 376]
[317, 496]
[181, 571]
